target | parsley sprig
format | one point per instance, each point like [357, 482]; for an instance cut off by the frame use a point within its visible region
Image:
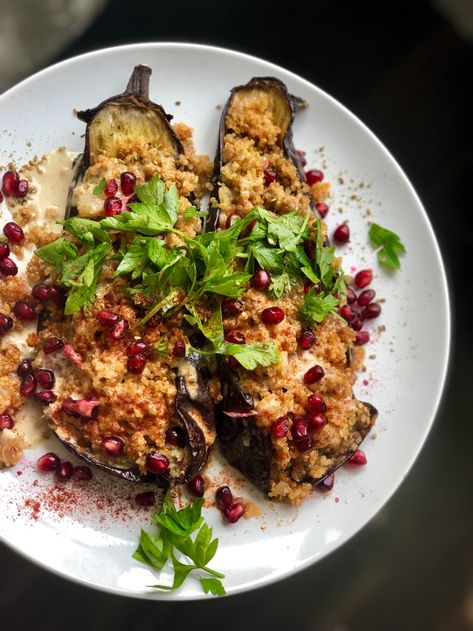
[389, 244]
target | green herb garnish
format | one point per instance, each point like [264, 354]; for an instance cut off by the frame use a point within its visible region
[318, 306]
[389, 244]
[99, 189]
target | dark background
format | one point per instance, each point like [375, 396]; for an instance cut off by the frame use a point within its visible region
[404, 69]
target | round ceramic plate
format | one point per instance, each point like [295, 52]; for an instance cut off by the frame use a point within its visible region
[90, 536]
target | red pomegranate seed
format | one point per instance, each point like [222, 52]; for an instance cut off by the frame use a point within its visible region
[176, 436]
[72, 355]
[22, 188]
[44, 377]
[52, 344]
[113, 446]
[57, 294]
[358, 458]
[156, 463]
[24, 367]
[6, 421]
[4, 250]
[48, 462]
[111, 187]
[134, 199]
[366, 296]
[362, 337]
[10, 183]
[299, 428]
[231, 308]
[145, 499]
[269, 176]
[371, 311]
[136, 348]
[112, 206]
[45, 397]
[232, 217]
[136, 363]
[118, 331]
[280, 427]
[314, 374]
[347, 313]
[107, 318]
[306, 340]
[81, 408]
[223, 497]
[64, 471]
[179, 349]
[316, 421]
[261, 279]
[233, 362]
[341, 234]
[313, 176]
[316, 403]
[6, 323]
[82, 474]
[322, 209]
[196, 486]
[302, 158]
[363, 278]
[8, 267]
[356, 324]
[327, 483]
[304, 444]
[127, 183]
[24, 311]
[234, 337]
[351, 296]
[233, 513]
[244, 234]
[273, 315]
[40, 292]
[13, 232]
[28, 385]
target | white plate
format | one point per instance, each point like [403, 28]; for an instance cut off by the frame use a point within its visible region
[92, 543]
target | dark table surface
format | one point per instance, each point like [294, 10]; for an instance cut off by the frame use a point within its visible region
[403, 68]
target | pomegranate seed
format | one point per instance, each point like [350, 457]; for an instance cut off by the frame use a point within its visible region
[347, 313]
[269, 176]
[52, 344]
[118, 331]
[45, 397]
[176, 436]
[127, 183]
[156, 463]
[48, 462]
[314, 374]
[44, 377]
[82, 474]
[301, 156]
[342, 233]
[28, 385]
[13, 232]
[179, 349]
[234, 337]
[112, 206]
[300, 428]
[316, 403]
[146, 499]
[4, 250]
[366, 296]
[57, 294]
[24, 368]
[322, 209]
[10, 183]
[261, 279]
[327, 483]
[231, 308]
[351, 296]
[196, 486]
[6, 323]
[69, 407]
[306, 340]
[304, 444]
[22, 188]
[234, 512]
[113, 446]
[280, 427]
[136, 363]
[40, 292]
[80, 408]
[64, 471]
[244, 234]
[232, 217]
[6, 421]
[24, 311]
[233, 362]
[72, 355]
[356, 324]
[358, 458]
[273, 315]
[363, 278]
[223, 497]
[371, 311]
[316, 421]
[313, 176]
[8, 267]
[362, 337]
[111, 187]
[107, 318]
[134, 199]
[136, 348]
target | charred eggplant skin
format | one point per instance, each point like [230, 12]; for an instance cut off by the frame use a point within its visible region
[290, 104]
